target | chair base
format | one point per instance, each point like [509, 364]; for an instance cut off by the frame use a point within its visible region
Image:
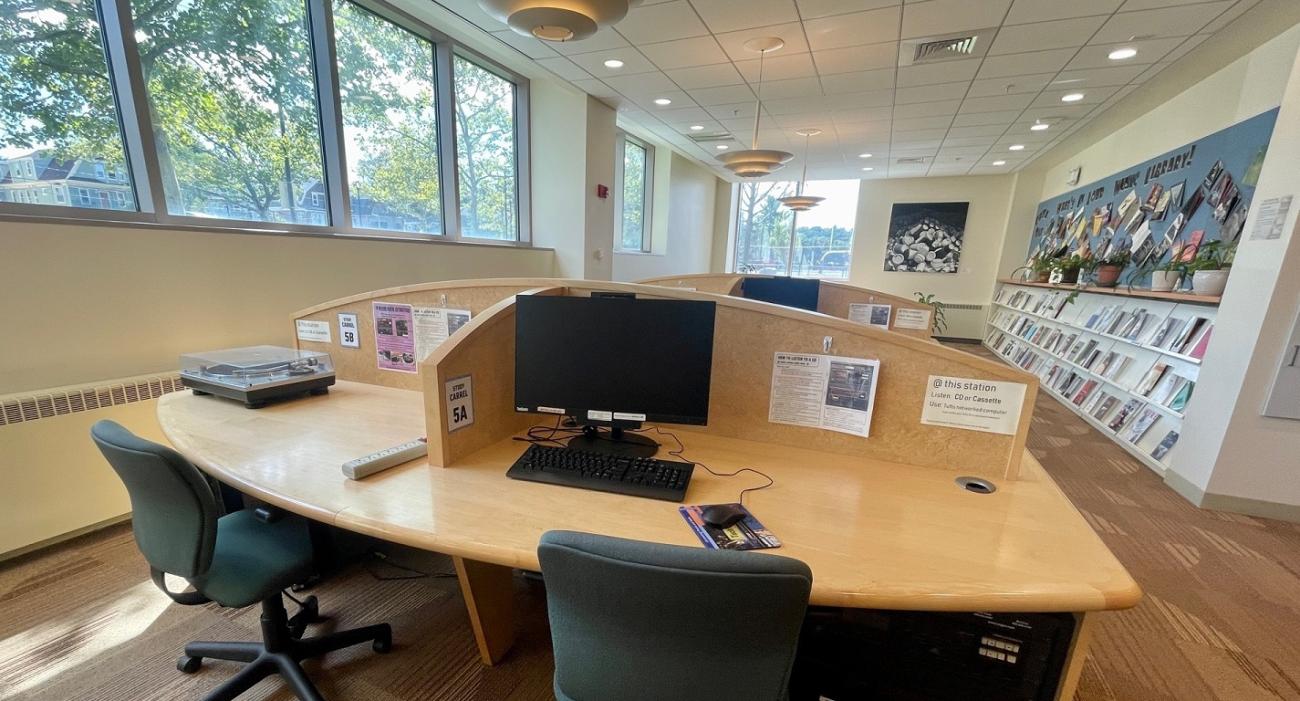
[280, 652]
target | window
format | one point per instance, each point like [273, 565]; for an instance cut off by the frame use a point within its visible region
[485, 152]
[822, 240]
[635, 177]
[56, 99]
[390, 124]
[233, 100]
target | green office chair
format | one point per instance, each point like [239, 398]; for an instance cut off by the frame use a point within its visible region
[633, 621]
[235, 560]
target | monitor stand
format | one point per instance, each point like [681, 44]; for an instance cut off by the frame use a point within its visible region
[614, 441]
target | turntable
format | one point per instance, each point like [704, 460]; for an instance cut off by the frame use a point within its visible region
[257, 374]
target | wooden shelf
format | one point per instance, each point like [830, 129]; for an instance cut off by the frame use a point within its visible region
[1122, 291]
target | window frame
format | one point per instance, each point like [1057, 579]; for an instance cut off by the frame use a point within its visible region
[144, 174]
[648, 189]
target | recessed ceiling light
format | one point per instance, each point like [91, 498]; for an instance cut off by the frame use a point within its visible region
[864, 155]
[1122, 54]
[696, 127]
[661, 101]
[1040, 126]
[999, 163]
[1072, 97]
[613, 63]
[1016, 147]
[722, 147]
[868, 168]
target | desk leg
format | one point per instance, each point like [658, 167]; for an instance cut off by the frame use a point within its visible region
[1076, 657]
[490, 598]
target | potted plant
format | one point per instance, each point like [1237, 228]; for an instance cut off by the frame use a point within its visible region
[1037, 269]
[1066, 268]
[1210, 268]
[938, 324]
[1167, 275]
[1108, 269]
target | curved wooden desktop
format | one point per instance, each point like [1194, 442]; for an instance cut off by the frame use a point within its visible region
[833, 297]
[879, 526]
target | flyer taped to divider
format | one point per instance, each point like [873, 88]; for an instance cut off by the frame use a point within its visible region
[394, 345]
[433, 325]
[823, 391]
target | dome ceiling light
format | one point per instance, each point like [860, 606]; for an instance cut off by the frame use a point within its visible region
[755, 162]
[800, 202]
[558, 20]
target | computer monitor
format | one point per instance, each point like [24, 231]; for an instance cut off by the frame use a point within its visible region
[612, 363]
[800, 293]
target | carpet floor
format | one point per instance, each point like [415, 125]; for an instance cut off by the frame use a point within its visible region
[1220, 619]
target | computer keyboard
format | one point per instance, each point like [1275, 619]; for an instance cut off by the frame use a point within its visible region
[638, 477]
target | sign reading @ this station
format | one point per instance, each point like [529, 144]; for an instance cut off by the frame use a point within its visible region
[974, 405]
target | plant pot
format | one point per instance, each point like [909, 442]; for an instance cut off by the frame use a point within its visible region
[1108, 275]
[1044, 276]
[1165, 280]
[1209, 282]
[1069, 277]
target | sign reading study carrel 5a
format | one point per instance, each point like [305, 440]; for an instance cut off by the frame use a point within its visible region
[975, 405]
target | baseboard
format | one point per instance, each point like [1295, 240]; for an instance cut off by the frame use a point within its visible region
[1231, 504]
[65, 537]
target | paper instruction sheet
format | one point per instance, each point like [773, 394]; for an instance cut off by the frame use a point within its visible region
[823, 391]
[912, 319]
[870, 314]
[433, 325]
[990, 406]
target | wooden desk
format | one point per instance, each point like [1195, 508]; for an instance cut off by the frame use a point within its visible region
[875, 534]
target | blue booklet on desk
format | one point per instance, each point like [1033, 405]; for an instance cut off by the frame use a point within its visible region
[747, 534]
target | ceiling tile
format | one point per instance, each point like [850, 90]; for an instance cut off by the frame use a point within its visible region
[794, 105]
[778, 67]
[563, 67]
[985, 118]
[1045, 35]
[1166, 22]
[647, 100]
[1134, 5]
[684, 115]
[930, 93]
[1149, 51]
[942, 72]
[914, 135]
[810, 9]
[871, 27]
[1098, 77]
[471, 12]
[1000, 103]
[733, 43]
[528, 46]
[600, 41]
[860, 115]
[1017, 64]
[662, 22]
[705, 76]
[722, 95]
[1010, 85]
[1091, 96]
[794, 87]
[986, 131]
[696, 51]
[882, 79]
[1023, 11]
[926, 109]
[594, 62]
[1188, 44]
[939, 122]
[730, 15]
[857, 58]
[873, 98]
[1152, 70]
[949, 16]
[1227, 18]
[968, 144]
[641, 84]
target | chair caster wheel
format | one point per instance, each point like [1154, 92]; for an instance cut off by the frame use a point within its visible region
[189, 665]
[383, 645]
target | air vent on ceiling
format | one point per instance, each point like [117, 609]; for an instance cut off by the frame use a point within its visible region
[960, 47]
[711, 138]
[911, 160]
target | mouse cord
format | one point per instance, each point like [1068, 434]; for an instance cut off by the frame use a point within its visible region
[681, 449]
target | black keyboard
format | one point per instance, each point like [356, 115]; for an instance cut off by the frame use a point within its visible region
[638, 477]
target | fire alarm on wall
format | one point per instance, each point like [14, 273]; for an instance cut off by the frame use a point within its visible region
[602, 192]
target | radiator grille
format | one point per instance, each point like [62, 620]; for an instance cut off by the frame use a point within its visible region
[964, 307]
[30, 406]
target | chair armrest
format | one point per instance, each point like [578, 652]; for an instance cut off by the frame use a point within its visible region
[185, 598]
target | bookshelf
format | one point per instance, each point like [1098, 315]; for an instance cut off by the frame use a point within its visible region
[1127, 363]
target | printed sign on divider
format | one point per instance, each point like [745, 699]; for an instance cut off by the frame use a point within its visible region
[316, 331]
[460, 403]
[912, 319]
[974, 405]
[349, 334]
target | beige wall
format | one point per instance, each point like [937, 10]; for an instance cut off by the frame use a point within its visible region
[559, 206]
[598, 263]
[688, 220]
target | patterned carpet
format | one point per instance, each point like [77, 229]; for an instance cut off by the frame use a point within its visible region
[1221, 617]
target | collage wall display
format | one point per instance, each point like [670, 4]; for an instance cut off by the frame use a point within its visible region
[1162, 207]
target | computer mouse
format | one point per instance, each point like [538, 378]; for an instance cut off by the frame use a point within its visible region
[723, 515]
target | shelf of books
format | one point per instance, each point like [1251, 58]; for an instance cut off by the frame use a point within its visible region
[1128, 366]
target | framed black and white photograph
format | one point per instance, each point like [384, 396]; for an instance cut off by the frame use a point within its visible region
[925, 237]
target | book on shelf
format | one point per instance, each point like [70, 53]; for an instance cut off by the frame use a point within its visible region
[1195, 339]
[1125, 413]
[1151, 378]
[1198, 350]
[1104, 407]
[1175, 330]
[1166, 444]
[1082, 395]
[1188, 331]
[1165, 388]
[1178, 402]
[1116, 366]
[1143, 423]
[1093, 400]
[1162, 332]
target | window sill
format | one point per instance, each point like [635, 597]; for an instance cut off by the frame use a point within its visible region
[651, 254]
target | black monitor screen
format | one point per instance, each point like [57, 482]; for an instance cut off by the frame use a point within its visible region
[799, 293]
[614, 361]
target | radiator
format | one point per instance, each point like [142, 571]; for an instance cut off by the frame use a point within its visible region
[964, 320]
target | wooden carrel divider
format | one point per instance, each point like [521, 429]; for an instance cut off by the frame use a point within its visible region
[833, 298]
[747, 336]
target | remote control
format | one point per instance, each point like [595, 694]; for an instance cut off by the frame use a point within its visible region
[384, 459]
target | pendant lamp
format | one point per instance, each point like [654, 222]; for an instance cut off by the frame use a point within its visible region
[755, 162]
[800, 202]
[558, 20]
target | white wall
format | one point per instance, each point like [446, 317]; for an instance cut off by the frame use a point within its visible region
[559, 116]
[986, 225]
[598, 263]
[688, 218]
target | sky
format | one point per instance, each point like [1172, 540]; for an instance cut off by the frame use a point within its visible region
[840, 208]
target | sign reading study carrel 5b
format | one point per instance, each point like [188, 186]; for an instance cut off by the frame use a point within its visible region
[975, 405]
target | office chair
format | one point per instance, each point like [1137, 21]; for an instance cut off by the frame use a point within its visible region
[235, 560]
[633, 621]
